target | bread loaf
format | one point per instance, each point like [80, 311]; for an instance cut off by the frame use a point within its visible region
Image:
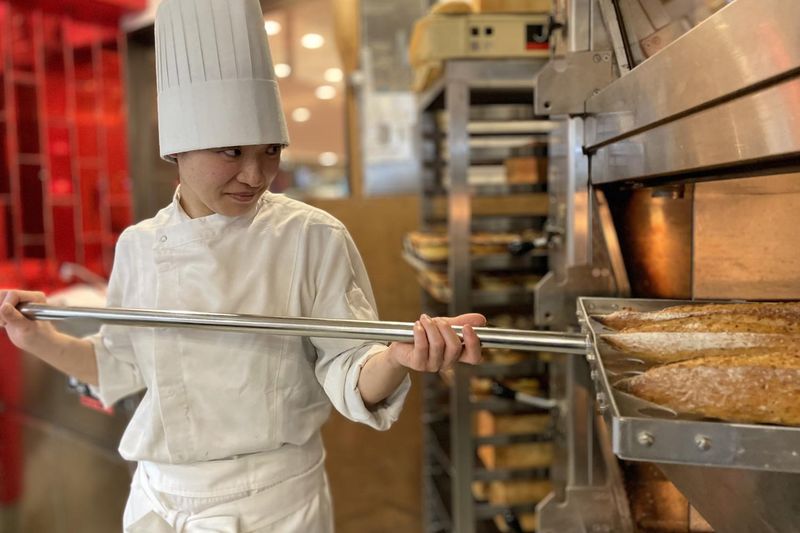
[733, 322]
[518, 491]
[488, 423]
[527, 455]
[760, 388]
[787, 311]
[668, 347]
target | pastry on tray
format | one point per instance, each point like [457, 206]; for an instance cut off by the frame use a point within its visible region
[780, 312]
[434, 246]
[669, 347]
[749, 388]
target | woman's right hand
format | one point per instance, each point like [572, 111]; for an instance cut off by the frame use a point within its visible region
[24, 333]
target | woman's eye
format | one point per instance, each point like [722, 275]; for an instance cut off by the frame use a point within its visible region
[274, 149]
[233, 152]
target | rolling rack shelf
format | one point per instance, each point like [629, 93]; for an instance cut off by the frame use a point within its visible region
[473, 119]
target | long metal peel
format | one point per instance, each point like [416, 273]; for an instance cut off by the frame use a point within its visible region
[303, 327]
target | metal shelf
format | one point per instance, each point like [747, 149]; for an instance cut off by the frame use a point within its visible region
[502, 406]
[485, 511]
[504, 439]
[491, 190]
[479, 263]
[474, 133]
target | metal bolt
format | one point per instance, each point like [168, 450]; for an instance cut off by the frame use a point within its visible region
[645, 438]
[601, 401]
[703, 443]
[596, 58]
[593, 375]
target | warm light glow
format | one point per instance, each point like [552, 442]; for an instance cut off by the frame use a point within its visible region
[333, 75]
[328, 159]
[312, 41]
[325, 92]
[301, 114]
[272, 27]
[282, 70]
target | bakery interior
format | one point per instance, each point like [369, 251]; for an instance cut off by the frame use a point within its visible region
[570, 168]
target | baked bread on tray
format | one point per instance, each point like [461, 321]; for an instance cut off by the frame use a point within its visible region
[758, 311]
[669, 347]
[737, 362]
[750, 388]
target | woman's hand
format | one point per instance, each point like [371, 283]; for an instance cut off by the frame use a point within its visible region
[24, 333]
[436, 346]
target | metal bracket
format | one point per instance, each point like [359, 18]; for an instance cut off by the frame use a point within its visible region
[585, 510]
[564, 84]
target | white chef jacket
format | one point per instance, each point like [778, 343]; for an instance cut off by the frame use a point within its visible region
[214, 395]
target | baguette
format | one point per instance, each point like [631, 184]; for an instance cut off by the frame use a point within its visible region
[760, 388]
[786, 311]
[733, 323]
[669, 347]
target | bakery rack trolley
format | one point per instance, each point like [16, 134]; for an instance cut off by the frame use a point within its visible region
[473, 118]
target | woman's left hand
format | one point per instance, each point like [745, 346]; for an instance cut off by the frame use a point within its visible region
[436, 345]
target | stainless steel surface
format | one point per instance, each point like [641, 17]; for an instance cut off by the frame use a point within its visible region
[306, 327]
[614, 29]
[601, 272]
[598, 504]
[636, 24]
[564, 85]
[673, 438]
[751, 135]
[462, 452]
[740, 501]
[459, 208]
[742, 46]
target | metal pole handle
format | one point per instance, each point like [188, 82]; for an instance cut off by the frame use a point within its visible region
[303, 327]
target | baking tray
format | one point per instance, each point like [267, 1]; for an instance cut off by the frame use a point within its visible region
[642, 431]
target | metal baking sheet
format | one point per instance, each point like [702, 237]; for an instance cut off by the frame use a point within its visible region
[642, 431]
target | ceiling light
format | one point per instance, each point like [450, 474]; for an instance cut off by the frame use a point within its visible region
[272, 27]
[325, 92]
[333, 75]
[301, 114]
[312, 40]
[282, 70]
[328, 159]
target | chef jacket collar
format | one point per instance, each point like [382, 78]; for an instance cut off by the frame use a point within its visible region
[214, 219]
[182, 229]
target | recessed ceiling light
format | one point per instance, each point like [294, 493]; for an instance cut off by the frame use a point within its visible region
[334, 75]
[328, 159]
[272, 27]
[301, 114]
[312, 40]
[282, 70]
[325, 92]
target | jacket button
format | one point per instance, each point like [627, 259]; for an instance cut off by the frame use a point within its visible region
[163, 238]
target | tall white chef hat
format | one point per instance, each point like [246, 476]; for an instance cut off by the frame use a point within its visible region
[216, 83]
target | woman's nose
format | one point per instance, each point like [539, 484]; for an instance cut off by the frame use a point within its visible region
[251, 175]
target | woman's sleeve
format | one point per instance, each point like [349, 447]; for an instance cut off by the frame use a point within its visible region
[117, 372]
[343, 291]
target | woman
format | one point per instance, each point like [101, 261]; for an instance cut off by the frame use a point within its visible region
[227, 434]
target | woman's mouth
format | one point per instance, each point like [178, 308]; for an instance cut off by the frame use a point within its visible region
[243, 197]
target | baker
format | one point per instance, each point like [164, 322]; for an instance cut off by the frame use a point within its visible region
[227, 435]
